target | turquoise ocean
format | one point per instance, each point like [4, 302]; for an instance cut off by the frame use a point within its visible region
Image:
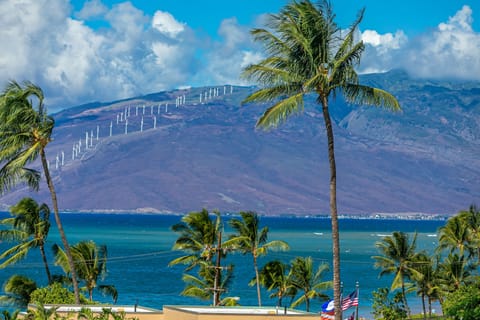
[139, 250]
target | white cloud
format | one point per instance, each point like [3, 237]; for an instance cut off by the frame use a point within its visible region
[226, 58]
[451, 51]
[45, 42]
[448, 51]
[92, 9]
[165, 23]
[74, 63]
[386, 41]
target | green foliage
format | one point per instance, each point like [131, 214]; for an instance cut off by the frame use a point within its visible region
[90, 264]
[54, 294]
[29, 226]
[41, 313]
[398, 258]
[463, 304]
[200, 286]
[275, 277]
[387, 308]
[7, 315]
[197, 237]
[305, 279]
[18, 290]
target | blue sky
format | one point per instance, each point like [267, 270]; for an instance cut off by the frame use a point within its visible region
[101, 50]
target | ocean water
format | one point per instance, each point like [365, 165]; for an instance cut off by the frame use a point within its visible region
[139, 250]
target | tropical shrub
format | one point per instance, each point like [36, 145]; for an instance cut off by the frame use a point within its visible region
[387, 308]
[55, 294]
[463, 304]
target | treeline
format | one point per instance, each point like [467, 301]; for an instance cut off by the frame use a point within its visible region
[449, 275]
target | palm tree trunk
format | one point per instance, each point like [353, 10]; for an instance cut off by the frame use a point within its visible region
[257, 278]
[333, 210]
[45, 262]
[404, 295]
[60, 226]
[218, 273]
[423, 307]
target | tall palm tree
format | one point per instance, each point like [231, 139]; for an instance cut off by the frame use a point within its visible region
[250, 239]
[398, 258]
[455, 236]
[17, 290]
[198, 237]
[29, 225]
[91, 264]
[305, 279]
[307, 53]
[275, 276]
[25, 132]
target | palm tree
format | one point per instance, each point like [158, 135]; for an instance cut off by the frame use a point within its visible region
[24, 134]
[6, 315]
[198, 237]
[18, 289]
[455, 271]
[398, 258]
[308, 53]
[91, 264]
[249, 239]
[304, 278]
[275, 276]
[30, 225]
[40, 312]
[427, 285]
[201, 287]
[454, 236]
[471, 218]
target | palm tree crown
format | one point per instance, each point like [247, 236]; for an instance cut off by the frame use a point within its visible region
[307, 53]
[275, 276]
[30, 225]
[306, 279]
[197, 237]
[455, 236]
[91, 265]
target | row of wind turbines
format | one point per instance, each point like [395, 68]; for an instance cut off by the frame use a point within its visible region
[120, 122]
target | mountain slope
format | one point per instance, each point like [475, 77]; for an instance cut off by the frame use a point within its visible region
[423, 159]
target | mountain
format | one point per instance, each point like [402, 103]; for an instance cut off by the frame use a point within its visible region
[208, 154]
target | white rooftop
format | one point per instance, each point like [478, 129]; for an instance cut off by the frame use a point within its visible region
[238, 310]
[128, 309]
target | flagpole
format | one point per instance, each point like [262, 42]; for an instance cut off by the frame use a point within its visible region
[356, 308]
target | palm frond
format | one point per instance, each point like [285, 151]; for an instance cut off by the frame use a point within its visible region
[360, 94]
[280, 111]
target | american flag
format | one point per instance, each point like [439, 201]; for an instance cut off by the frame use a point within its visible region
[350, 301]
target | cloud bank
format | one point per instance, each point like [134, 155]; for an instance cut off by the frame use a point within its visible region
[130, 53]
[449, 51]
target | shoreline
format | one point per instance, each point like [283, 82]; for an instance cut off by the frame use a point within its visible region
[414, 216]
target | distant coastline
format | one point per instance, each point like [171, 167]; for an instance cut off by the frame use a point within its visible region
[414, 216]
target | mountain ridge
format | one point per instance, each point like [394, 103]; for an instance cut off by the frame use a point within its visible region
[209, 155]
